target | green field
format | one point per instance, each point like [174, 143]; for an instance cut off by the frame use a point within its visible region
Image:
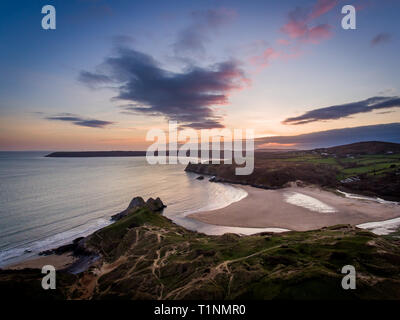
[371, 165]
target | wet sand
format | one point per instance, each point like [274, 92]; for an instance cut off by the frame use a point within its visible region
[270, 209]
[57, 261]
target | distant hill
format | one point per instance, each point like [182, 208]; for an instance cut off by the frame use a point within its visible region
[89, 154]
[362, 148]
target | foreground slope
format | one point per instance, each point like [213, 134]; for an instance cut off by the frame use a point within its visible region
[145, 256]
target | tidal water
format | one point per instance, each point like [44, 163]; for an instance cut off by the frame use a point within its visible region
[47, 202]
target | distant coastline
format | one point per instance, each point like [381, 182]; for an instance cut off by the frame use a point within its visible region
[89, 154]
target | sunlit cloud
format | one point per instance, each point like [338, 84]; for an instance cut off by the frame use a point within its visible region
[345, 110]
[382, 132]
[188, 97]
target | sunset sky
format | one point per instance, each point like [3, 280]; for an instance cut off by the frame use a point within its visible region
[114, 69]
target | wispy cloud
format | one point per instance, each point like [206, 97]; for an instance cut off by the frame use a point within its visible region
[204, 125]
[187, 97]
[192, 39]
[300, 21]
[345, 110]
[381, 38]
[79, 121]
[382, 132]
[300, 29]
[264, 59]
[93, 79]
[321, 7]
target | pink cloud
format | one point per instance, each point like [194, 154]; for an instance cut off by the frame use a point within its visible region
[318, 33]
[322, 7]
[300, 29]
[298, 26]
[295, 29]
[264, 59]
[283, 42]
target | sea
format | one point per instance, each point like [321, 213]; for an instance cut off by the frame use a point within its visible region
[47, 202]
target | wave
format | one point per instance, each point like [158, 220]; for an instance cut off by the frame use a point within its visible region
[14, 255]
[361, 197]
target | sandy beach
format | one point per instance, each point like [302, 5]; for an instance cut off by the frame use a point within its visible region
[58, 261]
[293, 208]
[297, 208]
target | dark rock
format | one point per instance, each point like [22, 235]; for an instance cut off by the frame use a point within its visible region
[77, 247]
[138, 203]
[155, 205]
[200, 178]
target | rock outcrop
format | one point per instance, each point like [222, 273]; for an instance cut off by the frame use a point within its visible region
[155, 205]
[136, 203]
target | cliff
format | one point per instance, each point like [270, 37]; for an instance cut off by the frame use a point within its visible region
[369, 168]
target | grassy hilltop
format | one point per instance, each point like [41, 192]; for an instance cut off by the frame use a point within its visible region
[146, 256]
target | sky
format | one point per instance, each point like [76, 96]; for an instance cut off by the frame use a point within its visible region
[112, 70]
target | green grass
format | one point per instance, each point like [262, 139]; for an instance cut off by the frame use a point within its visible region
[367, 164]
[163, 260]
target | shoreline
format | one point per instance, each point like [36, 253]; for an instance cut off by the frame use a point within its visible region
[264, 208]
[59, 262]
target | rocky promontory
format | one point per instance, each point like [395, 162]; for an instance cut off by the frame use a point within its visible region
[136, 203]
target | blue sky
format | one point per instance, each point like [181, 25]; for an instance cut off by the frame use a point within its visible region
[248, 64]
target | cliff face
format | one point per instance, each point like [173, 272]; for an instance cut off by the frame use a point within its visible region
[146, 256]
[370, 168]
[270, 174]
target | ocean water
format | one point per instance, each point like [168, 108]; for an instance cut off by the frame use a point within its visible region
[48, 202]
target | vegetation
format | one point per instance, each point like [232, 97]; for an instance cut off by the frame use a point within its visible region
[146, 256]
[370, 168]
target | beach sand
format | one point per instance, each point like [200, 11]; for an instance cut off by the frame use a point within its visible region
[57, 261]
[270, 209]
